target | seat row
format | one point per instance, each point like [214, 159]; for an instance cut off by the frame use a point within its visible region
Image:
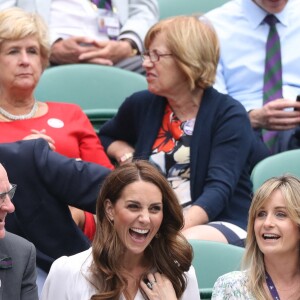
[98, 90]
[168, 8]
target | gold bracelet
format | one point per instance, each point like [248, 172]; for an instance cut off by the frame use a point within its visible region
[134, 48]
[125, 157]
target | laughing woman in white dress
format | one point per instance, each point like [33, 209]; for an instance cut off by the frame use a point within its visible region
[138, 251]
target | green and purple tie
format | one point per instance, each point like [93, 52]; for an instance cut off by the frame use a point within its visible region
[103, 4]
[272, 88]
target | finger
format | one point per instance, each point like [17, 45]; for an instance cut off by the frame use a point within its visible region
[52, 147]
[38, 131]
[285, 114]
[288, 103]
[43, 136]
[92, 54]
[47, 138]
[280, 103]
[150, 285]
[147, 290]
[158, 277]
[83, 39]
[281, 128]
[152, 280]
[102, 44]
[284, 121]
[30, 137]
[86, 49]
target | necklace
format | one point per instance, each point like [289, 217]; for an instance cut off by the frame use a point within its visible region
[20, 117]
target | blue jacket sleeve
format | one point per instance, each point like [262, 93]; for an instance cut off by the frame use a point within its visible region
[223, 182]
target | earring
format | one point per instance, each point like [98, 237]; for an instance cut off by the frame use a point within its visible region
[110, 220]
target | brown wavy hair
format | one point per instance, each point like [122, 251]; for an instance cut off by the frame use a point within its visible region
[170, 253]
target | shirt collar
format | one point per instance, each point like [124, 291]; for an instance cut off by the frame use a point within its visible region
[255, 14]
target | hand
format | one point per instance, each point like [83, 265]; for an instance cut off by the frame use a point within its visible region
[68, 51]
[194, 216]
[78, 216]
[112, 51]
[117, 149]
[158, 288]
[273, 116]
[36, 134]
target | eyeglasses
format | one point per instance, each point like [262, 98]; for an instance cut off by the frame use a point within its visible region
[10, 194]
[153, 56]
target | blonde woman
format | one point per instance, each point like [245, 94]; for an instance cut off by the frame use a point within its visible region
[272, 258]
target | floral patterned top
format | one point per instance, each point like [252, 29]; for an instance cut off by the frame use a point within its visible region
[232, 286]
[171, 153]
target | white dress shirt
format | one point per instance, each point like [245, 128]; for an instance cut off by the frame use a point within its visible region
[81, 22]
[243, 36]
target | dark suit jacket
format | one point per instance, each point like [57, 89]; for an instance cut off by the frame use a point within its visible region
[17, 269]
[47, 183]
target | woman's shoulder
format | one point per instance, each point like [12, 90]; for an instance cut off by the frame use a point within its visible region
[191, 272]
[192, 288]
[232, 285]
[224, 101]
[72, 264]
[63, 106]
[235, 276]
[144, 96]
[69, 278]
[141, 103]
[65, 111]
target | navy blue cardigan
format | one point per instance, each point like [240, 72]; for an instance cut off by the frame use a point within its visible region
[220, 147]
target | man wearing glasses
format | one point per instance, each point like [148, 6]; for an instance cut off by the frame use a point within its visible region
[17, 255]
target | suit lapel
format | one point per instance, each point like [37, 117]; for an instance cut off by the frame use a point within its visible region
[5, 264]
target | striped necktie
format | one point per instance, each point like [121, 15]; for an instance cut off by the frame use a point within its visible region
[103, 4]
[272, 88]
